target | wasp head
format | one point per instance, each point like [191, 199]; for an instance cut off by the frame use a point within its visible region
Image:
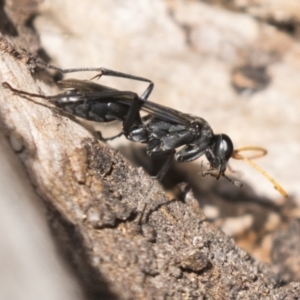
[218, 154]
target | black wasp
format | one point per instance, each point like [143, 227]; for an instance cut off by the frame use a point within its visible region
[163, 129]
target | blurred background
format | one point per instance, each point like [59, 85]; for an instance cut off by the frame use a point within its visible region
[234, 63]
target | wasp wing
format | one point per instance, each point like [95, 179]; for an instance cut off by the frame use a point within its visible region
[87, 90]
[84, 90]
[165, 113]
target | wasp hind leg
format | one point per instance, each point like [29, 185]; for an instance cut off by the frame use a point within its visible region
[101, 72]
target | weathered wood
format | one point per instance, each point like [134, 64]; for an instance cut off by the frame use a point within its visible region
[94, 203]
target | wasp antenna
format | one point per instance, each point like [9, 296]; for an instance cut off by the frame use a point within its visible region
[262, 152]
[277, 186]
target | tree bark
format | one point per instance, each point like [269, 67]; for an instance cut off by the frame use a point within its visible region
[121, 236]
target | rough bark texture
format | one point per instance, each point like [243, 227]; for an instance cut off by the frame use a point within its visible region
[95, 204]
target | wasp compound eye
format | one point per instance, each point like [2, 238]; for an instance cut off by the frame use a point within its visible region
[226, 146]
[223, 147]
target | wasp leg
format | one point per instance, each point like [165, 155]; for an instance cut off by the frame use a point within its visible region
[133, 116]
[108, 72]
[102, 72]
[101, 138]
[164, 169]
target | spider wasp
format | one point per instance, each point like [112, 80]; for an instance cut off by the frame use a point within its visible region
[163, 129]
